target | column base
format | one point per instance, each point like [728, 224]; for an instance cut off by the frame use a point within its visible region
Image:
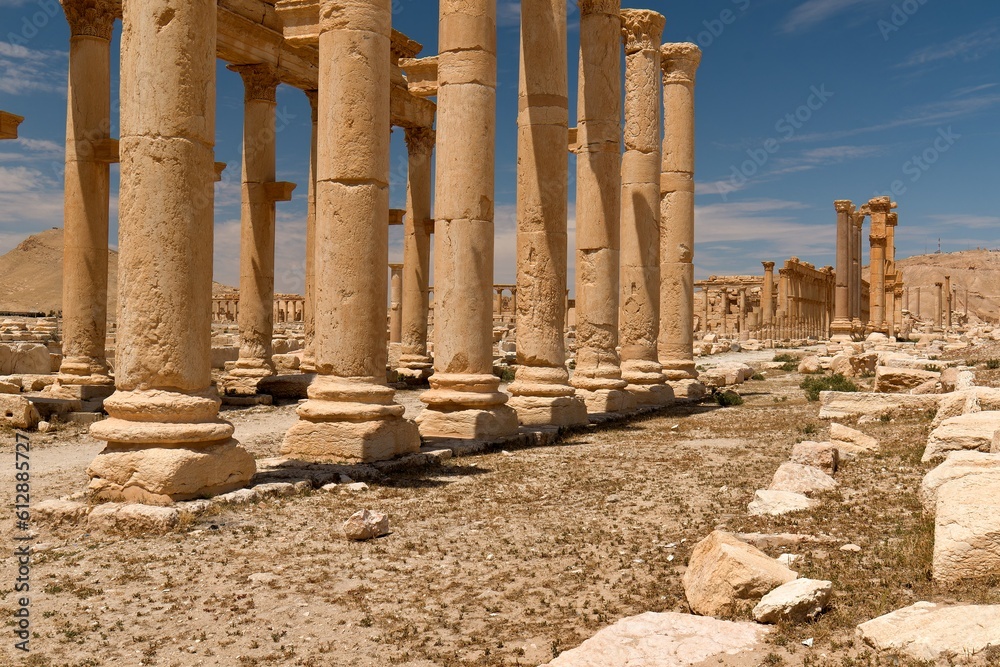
[415, 373]
[83, 370]
[689, 389]
[550, 410]
[679, 369]
[651, 395]
[243, 379]
[351, 442]
[466, 406]
[607, 401]
[165, 474]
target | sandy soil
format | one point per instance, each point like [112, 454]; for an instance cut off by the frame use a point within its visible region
[499, 559]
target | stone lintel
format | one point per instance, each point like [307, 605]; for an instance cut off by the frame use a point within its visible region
[573, 139]
[402, 46]
[106, 150]
[421, 75]
[219, 168]
[8, 125]
[396, 216]
[279, 190]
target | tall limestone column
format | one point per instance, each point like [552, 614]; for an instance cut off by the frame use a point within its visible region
[395, 303]
[948, 302]
[351, 414]
[880, 208]
[767, 298]
[541, 389]
[85, 240]
[704, 310]
[598, 374]
[309, 312]
[414, 362]
[857, 222]
[639, 312]
[465, 400]
[842, 316]
[256, 317]
[939, 309]
[744, 334]
[676, 345]
[165, 440]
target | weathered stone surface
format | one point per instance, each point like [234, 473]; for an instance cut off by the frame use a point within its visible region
[927, 631]
[725, 574]
[810, 365]
[889, 380]
[132, 519]
[851, 442]
[967, 529]
[957, 465]
[24, 359]
[822, 455]
[17, 412]
[662, 640]
[365, 525]
[845, 405]
[797, 601]
[803, 479]
[767, 502]
[58, 512]
[9, 388]
[929, 387]
[973, 431]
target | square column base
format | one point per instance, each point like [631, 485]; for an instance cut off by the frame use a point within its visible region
[691, 390]
[550, 411]
[607, 401]
[468, 424]
[162, 475]
[351, 442]
[651, 395]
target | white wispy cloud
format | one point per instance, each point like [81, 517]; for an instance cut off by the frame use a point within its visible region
[24, 71]
[811, 13]
[966, 221]
[970, 47]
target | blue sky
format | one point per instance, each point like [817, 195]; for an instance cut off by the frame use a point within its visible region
[799, 103]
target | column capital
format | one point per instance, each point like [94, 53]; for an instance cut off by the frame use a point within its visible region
[93, 18]
[612, 7]
[313, 97]
[680, 62]
[877, 241]
[858, 219]
[880, 205]
[892, 219]
[642, 30]
[843, 205]
[420, 140]
[768, 266]
[260, 81]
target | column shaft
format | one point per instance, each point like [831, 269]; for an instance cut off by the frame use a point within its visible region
[842, 297]
[309, 311]
[395, 303]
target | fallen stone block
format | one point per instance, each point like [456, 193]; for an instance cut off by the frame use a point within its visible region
[967, 529]
[797, 601]
[804, 479]
[973, 431]
[889, 380]
[9, 388]
[725, 574]
[16, 411]
[851, 442]
[365, 525]
[810, 365]
[846, 405]
[57, 512]
[957, 465]
[822, 455]
[927, 631]
[130, 519]
[767, 502]
[663, 640]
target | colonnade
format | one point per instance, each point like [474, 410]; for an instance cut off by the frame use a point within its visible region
[805, 305]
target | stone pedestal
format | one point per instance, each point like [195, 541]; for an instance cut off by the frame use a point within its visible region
[165, 439]
[351, 414]
[85, 236]
[415, 363]
[676, 345]
[639, 313]
[464, 400]
[542, 395]
[598, 377]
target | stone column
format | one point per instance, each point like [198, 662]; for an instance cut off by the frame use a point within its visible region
[939, 310]
[744, 334]
[842, 316]
[309, 311]
[880, 208]
[541, 391]
[598, 377]
[85, 235]
[414, 363]
[724, 303]
[704, 306]
[857, 224]
[676, 351]
[767, 298]
[260, 83]
[351, 414]
[395, 303]
[917, 311]
[464, 400]
[948, 303]
[165, 439]
[639, 314]
[906, 299]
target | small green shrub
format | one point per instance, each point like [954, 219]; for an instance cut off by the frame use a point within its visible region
[934, 368]
[727, 398]
[837, 382]
[505, 373]
[790, 366]
[785, 358]
[993, 364]
[759, 377]
[809, 429]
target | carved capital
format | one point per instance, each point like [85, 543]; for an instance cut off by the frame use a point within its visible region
[768, 266]
[892, 219]
[843, 205]
[680, 62]
[880, 205]
[877, 241]
[94, 18]
[420, 140]
[260, 82]
[642, 30]
[613, 7]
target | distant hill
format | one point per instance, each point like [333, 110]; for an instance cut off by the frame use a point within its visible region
[32, 275]
[975, 270]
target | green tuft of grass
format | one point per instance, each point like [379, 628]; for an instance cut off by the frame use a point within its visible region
[837, 382]
[727, 398]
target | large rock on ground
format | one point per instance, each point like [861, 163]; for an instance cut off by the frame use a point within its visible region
[956, 466]
[962, 402]
[767, 502]
[810, 365]
[967, 529]
[889, 380]
[822, 455]
[725, 574]
[24, 358]
[845, 405]
[133, 519]
[663, 640]
[366, 525]
[927, 631]
[17, 412]
[969, 432]
[797, 601]
[851, 442]
[804, 479]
